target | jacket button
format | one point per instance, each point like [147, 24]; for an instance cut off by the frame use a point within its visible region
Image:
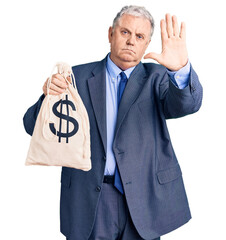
[98, 188]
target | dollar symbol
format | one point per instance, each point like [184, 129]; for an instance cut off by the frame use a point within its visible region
[66, 117]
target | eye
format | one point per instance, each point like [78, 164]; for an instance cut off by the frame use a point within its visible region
[140, 36]
[124, 32]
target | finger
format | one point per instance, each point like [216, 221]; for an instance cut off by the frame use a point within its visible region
[169, 26]
[154, 56]
[59, 83]
[59, 76]
[183, 31]
[52, 92]
[164, 34]
[175, 26]
[56, 88]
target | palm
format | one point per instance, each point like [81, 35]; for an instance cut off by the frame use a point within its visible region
[174, 52]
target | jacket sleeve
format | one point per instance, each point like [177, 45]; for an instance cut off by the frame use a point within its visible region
[30, 116]
[180, 102]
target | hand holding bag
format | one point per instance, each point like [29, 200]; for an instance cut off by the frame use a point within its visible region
[61, 135]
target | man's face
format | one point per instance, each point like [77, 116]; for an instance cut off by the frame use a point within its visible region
[129, 40]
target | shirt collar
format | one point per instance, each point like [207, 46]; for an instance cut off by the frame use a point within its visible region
[114, 70]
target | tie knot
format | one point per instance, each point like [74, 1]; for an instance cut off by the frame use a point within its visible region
[123, 76]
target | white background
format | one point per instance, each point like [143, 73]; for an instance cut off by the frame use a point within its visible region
[37, 34]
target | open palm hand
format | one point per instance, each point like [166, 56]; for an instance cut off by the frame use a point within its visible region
[174, 52]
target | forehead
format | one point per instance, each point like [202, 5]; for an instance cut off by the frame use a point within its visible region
[135, 24]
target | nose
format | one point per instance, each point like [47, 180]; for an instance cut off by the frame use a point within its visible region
[131, 40]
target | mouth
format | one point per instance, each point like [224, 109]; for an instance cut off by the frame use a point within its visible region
[129, 50]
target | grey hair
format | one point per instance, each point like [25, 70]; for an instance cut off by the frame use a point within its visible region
[136, 11]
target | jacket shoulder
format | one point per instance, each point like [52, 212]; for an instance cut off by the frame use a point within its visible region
[84, 68]
[152, 68]
[85, 65]
[83, 72]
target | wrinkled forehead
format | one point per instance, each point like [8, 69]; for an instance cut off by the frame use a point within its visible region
[134, 23]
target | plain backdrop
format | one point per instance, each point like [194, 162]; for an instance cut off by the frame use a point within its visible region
[37, 34]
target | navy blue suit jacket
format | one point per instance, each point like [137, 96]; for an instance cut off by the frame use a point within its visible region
[150, 172]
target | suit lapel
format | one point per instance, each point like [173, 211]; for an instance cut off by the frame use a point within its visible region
[97, 89]
[131, 92]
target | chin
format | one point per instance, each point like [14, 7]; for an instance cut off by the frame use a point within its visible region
[126, 63]
[127, 58]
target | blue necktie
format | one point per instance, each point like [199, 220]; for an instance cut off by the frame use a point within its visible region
[122, 85]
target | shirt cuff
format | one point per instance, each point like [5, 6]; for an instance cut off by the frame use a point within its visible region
[180, 78]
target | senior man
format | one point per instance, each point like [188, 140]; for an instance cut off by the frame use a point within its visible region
[135, 188]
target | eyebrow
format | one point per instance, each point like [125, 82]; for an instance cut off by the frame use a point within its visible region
[124, 28]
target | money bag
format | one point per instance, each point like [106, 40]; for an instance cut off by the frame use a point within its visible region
[61, 136]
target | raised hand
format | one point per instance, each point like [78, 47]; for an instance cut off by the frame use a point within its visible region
[174, 52]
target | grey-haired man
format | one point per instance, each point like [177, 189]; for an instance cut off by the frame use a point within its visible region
[135, 188]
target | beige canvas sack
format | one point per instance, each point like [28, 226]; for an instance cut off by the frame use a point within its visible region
[61, 135]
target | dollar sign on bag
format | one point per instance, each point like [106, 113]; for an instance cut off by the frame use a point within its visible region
[66, 117]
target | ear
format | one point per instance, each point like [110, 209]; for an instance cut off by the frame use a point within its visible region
[147, 44]
[110, 32]
[146, 47]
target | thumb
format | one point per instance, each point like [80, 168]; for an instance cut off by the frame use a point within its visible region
[153, 55]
